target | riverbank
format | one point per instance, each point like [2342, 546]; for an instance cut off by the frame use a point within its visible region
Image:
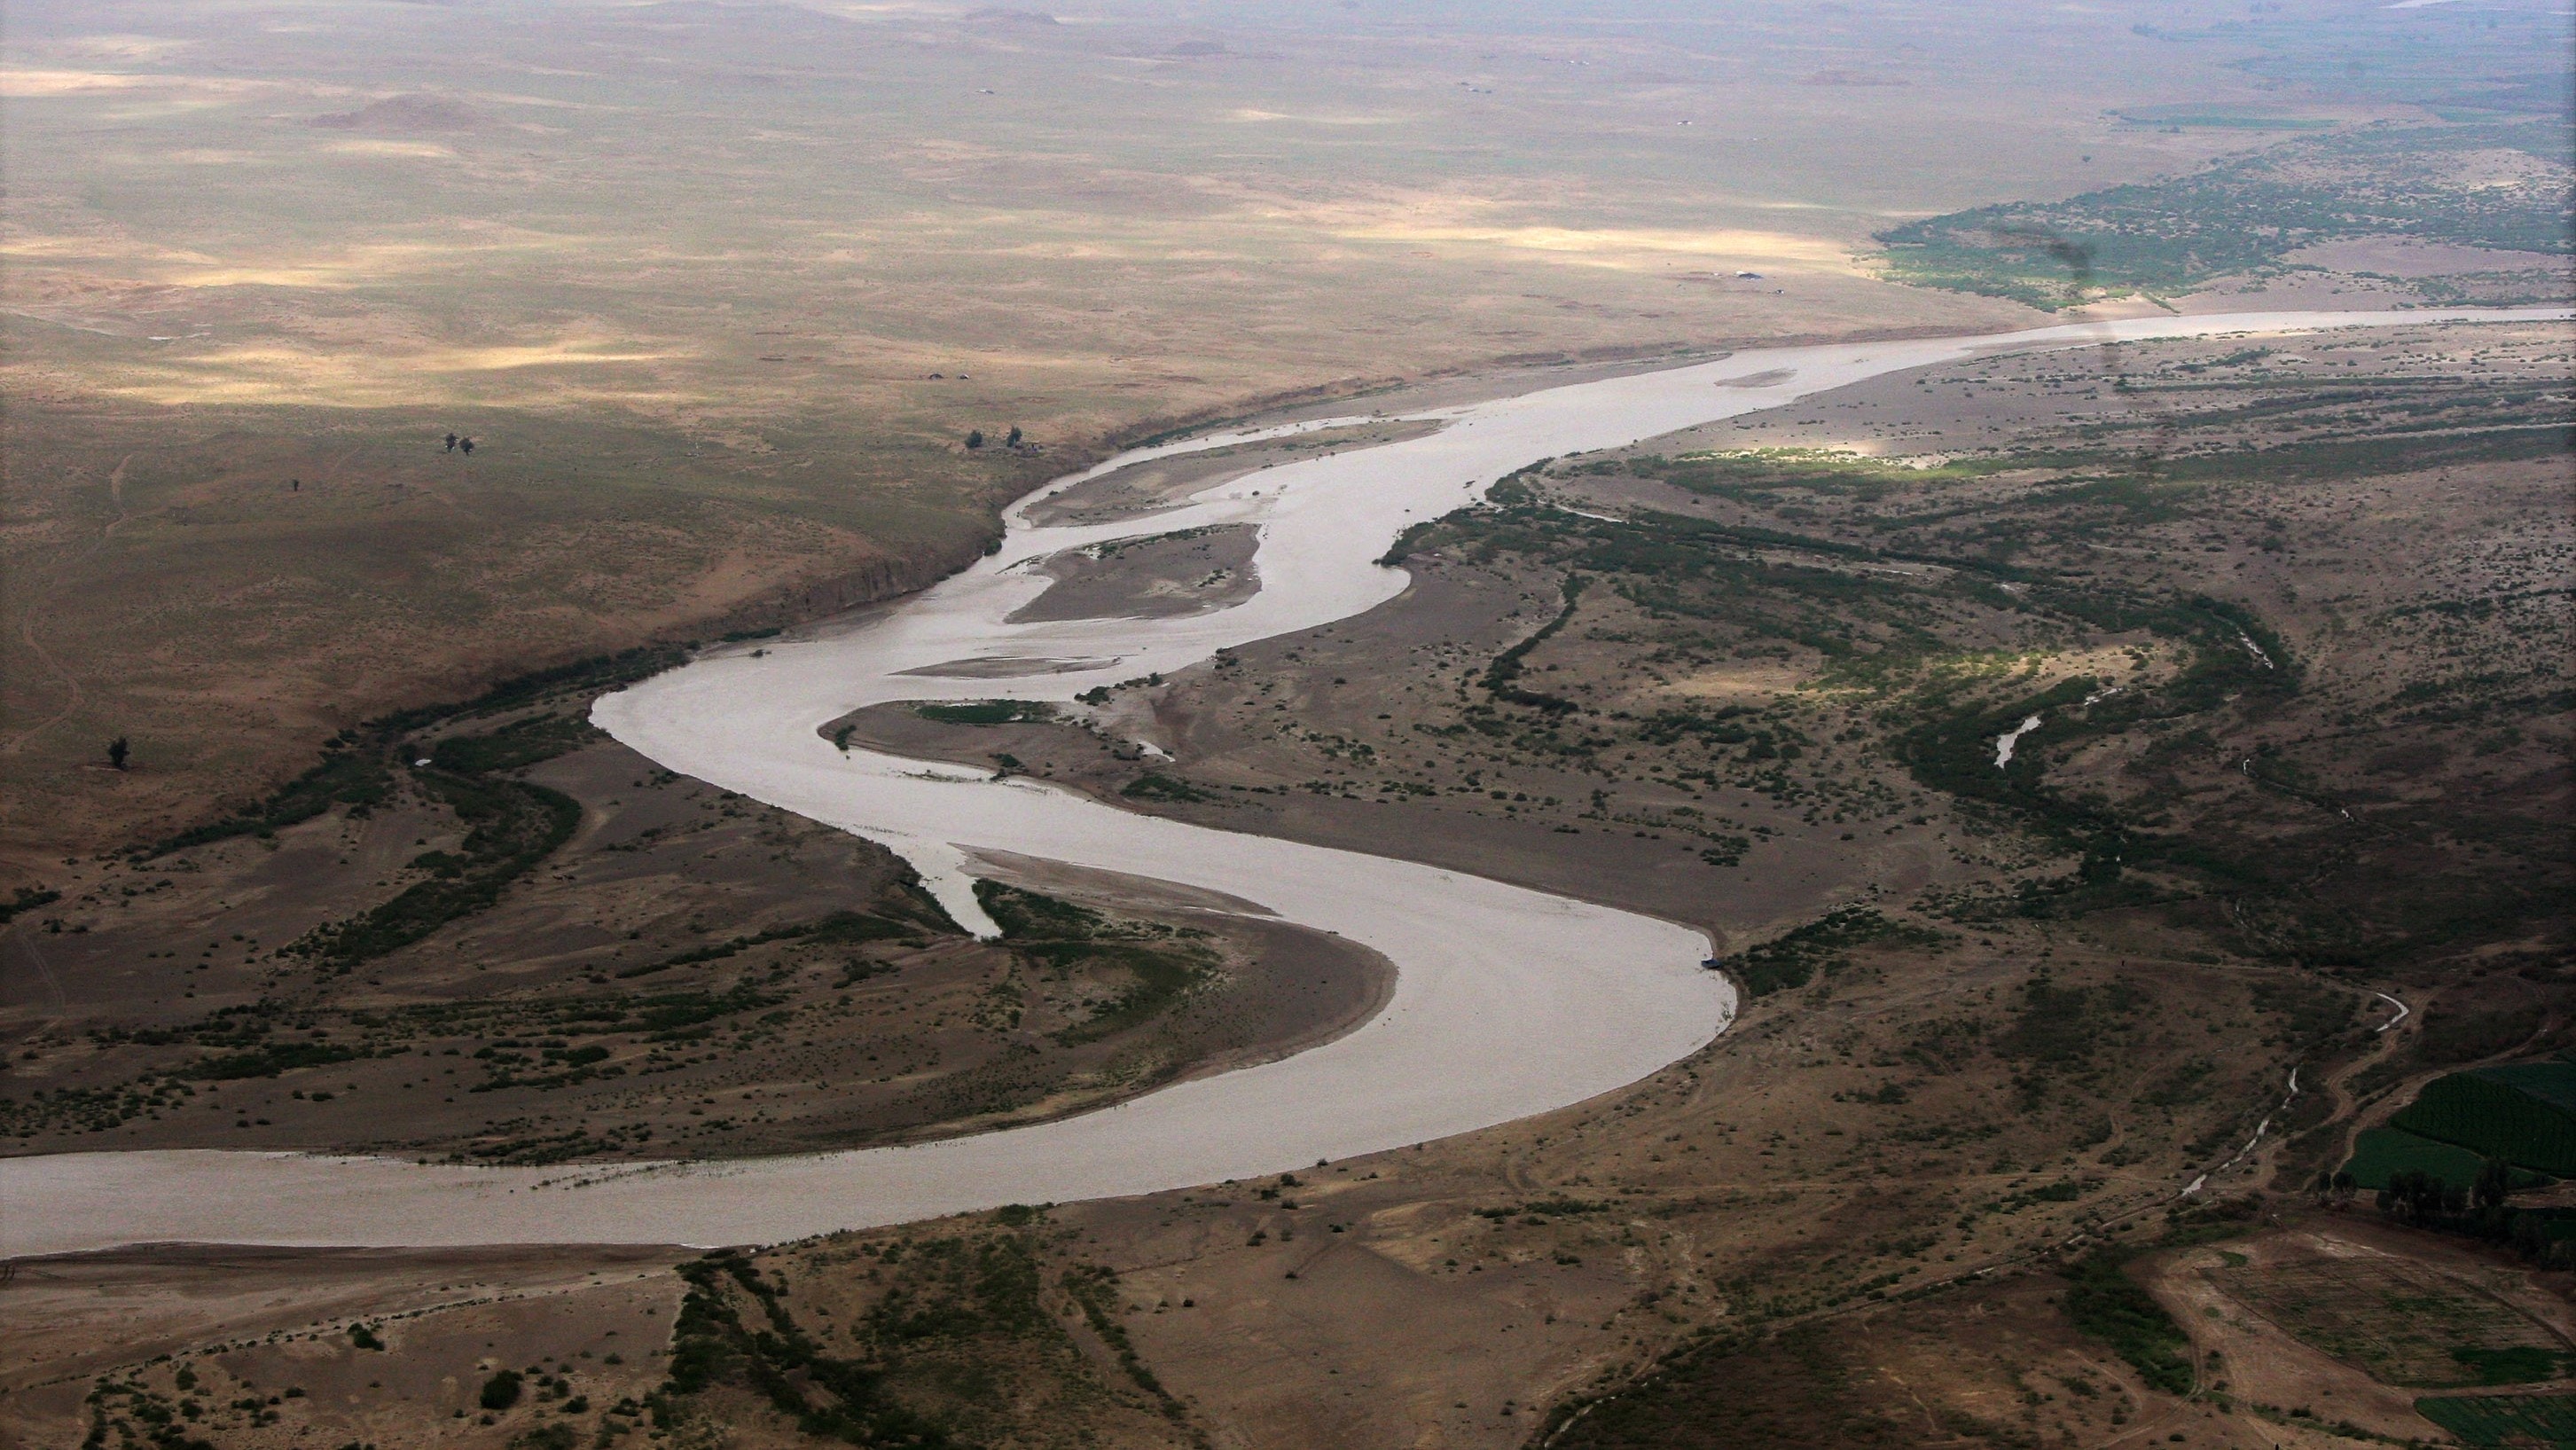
[1511, 1001]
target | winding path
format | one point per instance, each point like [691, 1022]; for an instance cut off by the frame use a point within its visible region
[1508, 1002]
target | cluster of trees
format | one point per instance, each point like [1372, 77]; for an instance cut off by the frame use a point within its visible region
[975, 438]
[2418, 1197]
[459, 445]
[2477, 1210]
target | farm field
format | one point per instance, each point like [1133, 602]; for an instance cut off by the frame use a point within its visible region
[2398, 1324]
[2520, 1112]
[2504, 1419]
[2379, 1153]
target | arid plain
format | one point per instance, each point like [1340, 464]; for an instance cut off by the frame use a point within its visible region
[719, 292]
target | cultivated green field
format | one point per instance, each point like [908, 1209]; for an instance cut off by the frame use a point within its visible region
[2380, 1153]
[2504, 1419]
[2519, 1112]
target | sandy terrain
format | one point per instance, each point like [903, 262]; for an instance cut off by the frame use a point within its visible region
[1179, 574]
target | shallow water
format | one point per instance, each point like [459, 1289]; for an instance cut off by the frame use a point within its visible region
[1507, 1003]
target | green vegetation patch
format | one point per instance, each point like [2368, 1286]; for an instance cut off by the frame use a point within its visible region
[273, 1059]
[2518, 1112]
[2504, 1419]
[1793, 958]
[841, 927]
[2104, 1302]
[2380, 1154]
[955, 1344]
[27, 898]
[595, 675]
[987, 712]
[1506, 668]
[2521, 1364]
[1790, 1391]
[347, 776]
[1153, 785]
[1095, 1288]
[2247, 213]
[826, 1396]
[514, 746]
[1158, 965]
[2220, 118]
[514, 826]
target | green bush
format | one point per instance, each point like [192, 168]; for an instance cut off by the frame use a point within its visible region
[345, 777]
[2107, 1304]
[1156, 786]
[1791, 959]
[987, 712]
[539, 737]
[501, 1391]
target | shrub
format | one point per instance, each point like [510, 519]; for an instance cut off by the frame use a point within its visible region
[2107, 1304]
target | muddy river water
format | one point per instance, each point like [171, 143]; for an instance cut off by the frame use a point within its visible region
[1508, 1002]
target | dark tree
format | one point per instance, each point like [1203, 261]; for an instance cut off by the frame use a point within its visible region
[451, 442]
[1014, 439]
[117, 750]
[465, 443]
[295, 485]
[974, 437]
[2495, 1183]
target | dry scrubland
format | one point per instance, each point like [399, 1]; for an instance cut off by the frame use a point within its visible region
[686, 273]
[539, 946]
[1924, 1192]
[2292, 613]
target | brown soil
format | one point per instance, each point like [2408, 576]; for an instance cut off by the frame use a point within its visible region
[1187, 573]
[261, 1323]
[793, 1045]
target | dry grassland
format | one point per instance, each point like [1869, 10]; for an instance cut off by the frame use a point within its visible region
[1835, 1225]
[719, 291]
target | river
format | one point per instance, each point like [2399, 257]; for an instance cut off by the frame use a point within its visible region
[1507, 1002]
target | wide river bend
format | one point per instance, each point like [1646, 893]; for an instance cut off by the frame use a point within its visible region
[1507, 1003]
